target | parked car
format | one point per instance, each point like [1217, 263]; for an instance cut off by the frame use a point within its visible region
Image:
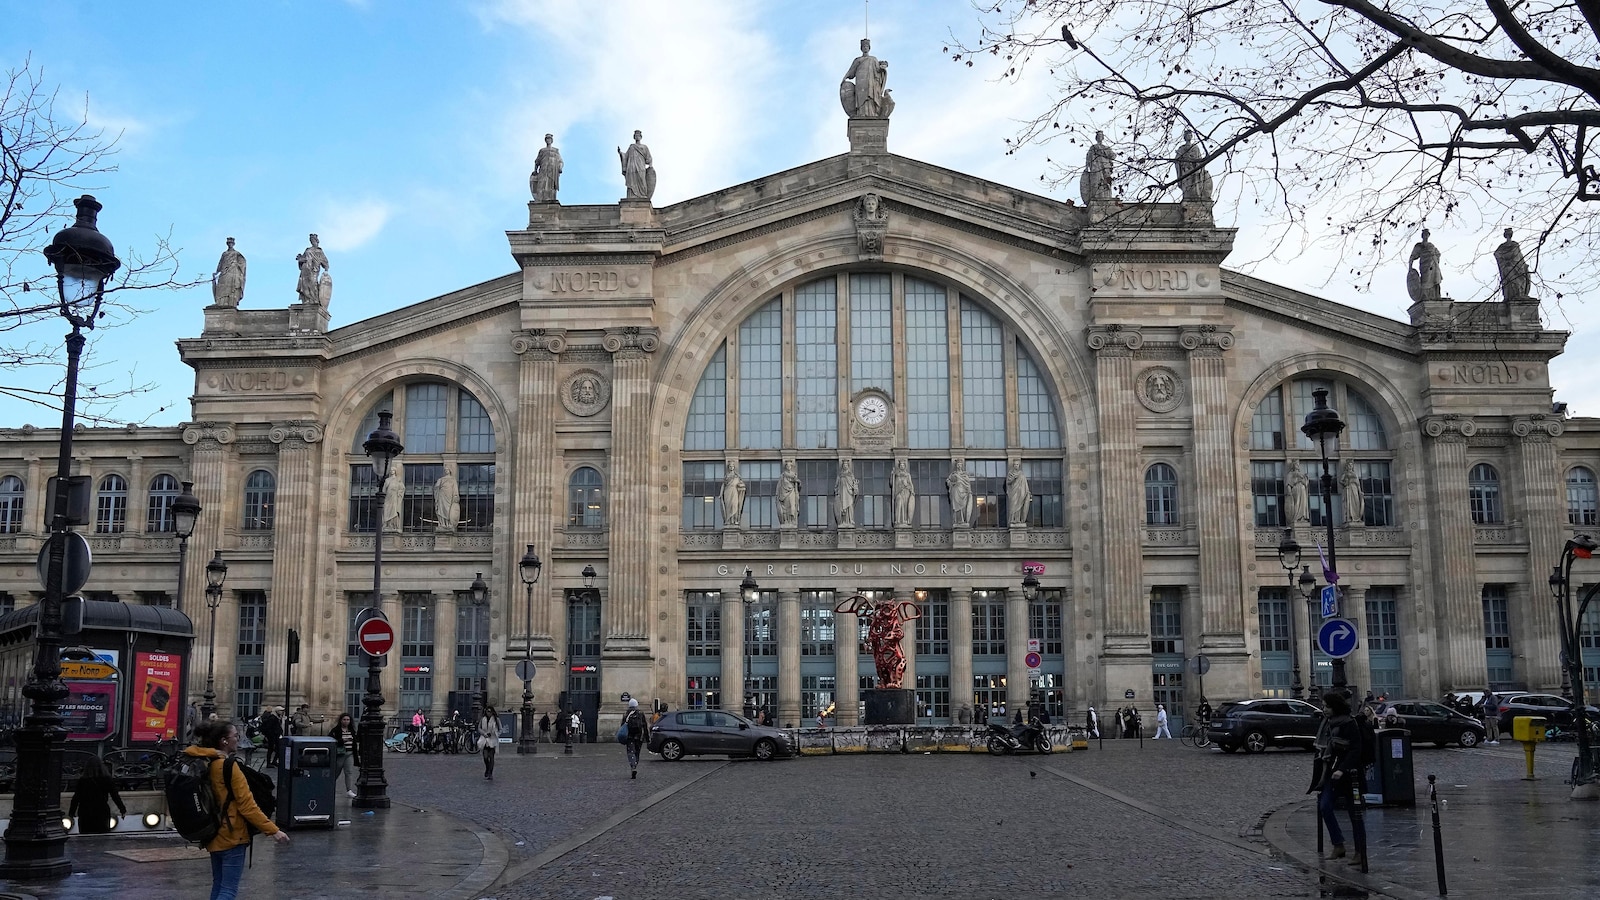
[1255, 725]
[693, 732]
[1432, 722]
[1558, 710]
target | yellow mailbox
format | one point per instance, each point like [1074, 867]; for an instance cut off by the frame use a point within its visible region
[1530, 730]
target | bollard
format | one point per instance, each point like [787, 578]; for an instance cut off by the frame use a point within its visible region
[1527, 753]
[1438, 837]
[1358, 809]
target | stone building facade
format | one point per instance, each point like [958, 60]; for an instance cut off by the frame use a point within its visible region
[937, 332]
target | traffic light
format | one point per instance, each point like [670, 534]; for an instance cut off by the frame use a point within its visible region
[294, 646]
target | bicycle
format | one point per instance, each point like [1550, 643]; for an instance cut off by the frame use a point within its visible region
[1194, 735]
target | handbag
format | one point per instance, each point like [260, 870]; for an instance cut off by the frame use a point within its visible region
[622, 732]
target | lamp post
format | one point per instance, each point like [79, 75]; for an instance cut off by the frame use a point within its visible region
[749, 592]
[1030, 593]
[479, 592]
[1289, 559]
[528, 567]
[1308, 590]
[216, 573]
[1324, 426]
[372, 788]
[35, 839]
[1580, 547]
[185, 513]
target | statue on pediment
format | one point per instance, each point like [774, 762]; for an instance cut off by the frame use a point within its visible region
[1515, 281]
[1193, 179]
[546, 177]
[315, 286]
[1422, 280]
[638, 169]
[872, 223]
[1095, 183]
[863, 92]
[227, 284]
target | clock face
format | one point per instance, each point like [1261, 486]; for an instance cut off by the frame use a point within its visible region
[872, 410]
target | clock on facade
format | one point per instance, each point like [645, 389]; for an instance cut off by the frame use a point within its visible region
[872, 410]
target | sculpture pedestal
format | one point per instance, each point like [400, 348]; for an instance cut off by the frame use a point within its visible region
[890, 706]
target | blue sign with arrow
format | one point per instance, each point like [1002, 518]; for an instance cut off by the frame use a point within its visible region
[1337, 638]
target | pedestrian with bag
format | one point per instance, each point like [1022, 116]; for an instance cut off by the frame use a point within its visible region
[636, 731]
[1338, 775]
[489, 739]
[544, 728]
[237, 811]
[272, 733]
[345, 748]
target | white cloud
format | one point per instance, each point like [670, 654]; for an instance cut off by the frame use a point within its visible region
[348, 224]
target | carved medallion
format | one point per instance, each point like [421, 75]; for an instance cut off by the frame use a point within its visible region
[1160, 389]
[585, 392]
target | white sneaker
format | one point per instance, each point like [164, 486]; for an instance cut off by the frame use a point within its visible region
[351, 793]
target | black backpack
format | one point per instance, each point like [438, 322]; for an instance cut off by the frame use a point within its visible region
[196, 814]
[261, 787]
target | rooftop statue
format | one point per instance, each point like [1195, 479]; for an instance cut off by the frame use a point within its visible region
[546, 177]
[227, 284]
[315, 286]
[1515, 281]
[1193, 179]
[638, 171]
[1095, 183]
[1423, 281]
[862, 91]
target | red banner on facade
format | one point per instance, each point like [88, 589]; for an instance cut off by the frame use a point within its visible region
[155, 696]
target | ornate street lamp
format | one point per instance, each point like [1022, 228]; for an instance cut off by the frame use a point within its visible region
[216, 573]
[372, 788]
[528, 567]
[1324, 426]
[750, 593]
[479, 592]
[1030, 586]
[1308, 590]
[36, 842]
[185, 513]
[1289, 559]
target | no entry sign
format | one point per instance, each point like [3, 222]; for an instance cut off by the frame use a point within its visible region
[375, 636]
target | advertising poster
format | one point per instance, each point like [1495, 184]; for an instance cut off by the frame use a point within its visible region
[155, 696]
[89, 712]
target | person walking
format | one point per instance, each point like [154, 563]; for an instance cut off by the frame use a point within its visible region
[239, 813]
[544, 728]
[1093, 723]
[1161, 722]
[272, 733]
[344, 750]
[94, 796]
[1339, 765]
[638, 733]
[575, 728]
[489, 739]
[1490, 710]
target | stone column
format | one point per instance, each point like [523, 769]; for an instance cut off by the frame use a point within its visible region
[961, 652]
[846, 653]
[138, 496]
[733, 628]
[389, 676]
[534, 504]
[445, 624]
[1217, 509]
[628, 624]
[1126, 653]
[209, 460]
[788, 710]
[1535, 626]
[1016, 650]
[33, 513]
[1358, 668]
[291, 597]
[1457, 597]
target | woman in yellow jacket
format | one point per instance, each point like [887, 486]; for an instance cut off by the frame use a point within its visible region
[218, 740]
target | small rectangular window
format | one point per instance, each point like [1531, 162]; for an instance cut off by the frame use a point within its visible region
[702, 492]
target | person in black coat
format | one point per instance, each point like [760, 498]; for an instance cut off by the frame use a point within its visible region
[272, 733]
[96, 792]
[1340, 763]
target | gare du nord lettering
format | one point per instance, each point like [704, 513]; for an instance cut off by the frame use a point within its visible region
[1155, 279]
[584, 281]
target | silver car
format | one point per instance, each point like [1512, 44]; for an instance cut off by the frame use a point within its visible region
[693, 732]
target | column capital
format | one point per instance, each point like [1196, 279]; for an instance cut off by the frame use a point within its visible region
[1115, 340]
[298, 430]
[548, 340]
[1449, 428]
[634, 340]
[1538, 428]
[1205, 340]
[208, 435]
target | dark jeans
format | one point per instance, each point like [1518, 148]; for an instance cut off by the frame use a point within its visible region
[1335, 794]
[488, 761]
[227, 869]
[633, 754]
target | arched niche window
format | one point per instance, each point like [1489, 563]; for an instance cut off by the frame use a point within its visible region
[1161, 495]
[158, 513]
[1581, 497]
[1365, 455]
[585, 499]
[941, 370]
[11, 497]
[1483, 494]
[447, 434]
[260, 500]
[111, 505]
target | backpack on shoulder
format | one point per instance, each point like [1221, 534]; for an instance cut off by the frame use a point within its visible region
[192, 804]
[262, 789]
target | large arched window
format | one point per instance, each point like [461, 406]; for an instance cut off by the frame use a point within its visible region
[158, 514]
[260, 500]
[1365, 455]
[11, 497]
[585, 501]
[1581, 498]
[448, 436]
[849, 366]
[111, 505]
[1483, 493]
[1160, 495]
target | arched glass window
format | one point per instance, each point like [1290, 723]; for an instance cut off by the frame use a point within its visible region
[585, 500]
[1581, 499]
[1275, 434]
[1483, 492]
[158, 514]
[708, 411]
[11, 497]
[444, 429]
[111, 505]
[260, 500]
[761, 379]
[1160, 495]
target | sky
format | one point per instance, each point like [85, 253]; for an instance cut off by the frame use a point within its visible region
[403, 133]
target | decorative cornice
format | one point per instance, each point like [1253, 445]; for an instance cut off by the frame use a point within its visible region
[550, 340]
[642, 258]
[1451, 428]
[632, 339]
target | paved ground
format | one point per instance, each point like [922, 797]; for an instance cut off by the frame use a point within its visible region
[1163, 820]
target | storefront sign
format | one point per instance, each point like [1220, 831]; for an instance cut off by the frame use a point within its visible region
[89, 712]
[156, 677]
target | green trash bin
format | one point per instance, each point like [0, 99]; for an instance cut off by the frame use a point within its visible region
[306, 782]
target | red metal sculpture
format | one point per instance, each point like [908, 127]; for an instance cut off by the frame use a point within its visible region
[885, 630]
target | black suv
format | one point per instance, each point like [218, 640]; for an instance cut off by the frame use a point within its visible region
[1256, 725]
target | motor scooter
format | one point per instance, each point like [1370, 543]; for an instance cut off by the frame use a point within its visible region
[1029, 738]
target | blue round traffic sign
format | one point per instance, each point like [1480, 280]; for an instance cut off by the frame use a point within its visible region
[1337, 638]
